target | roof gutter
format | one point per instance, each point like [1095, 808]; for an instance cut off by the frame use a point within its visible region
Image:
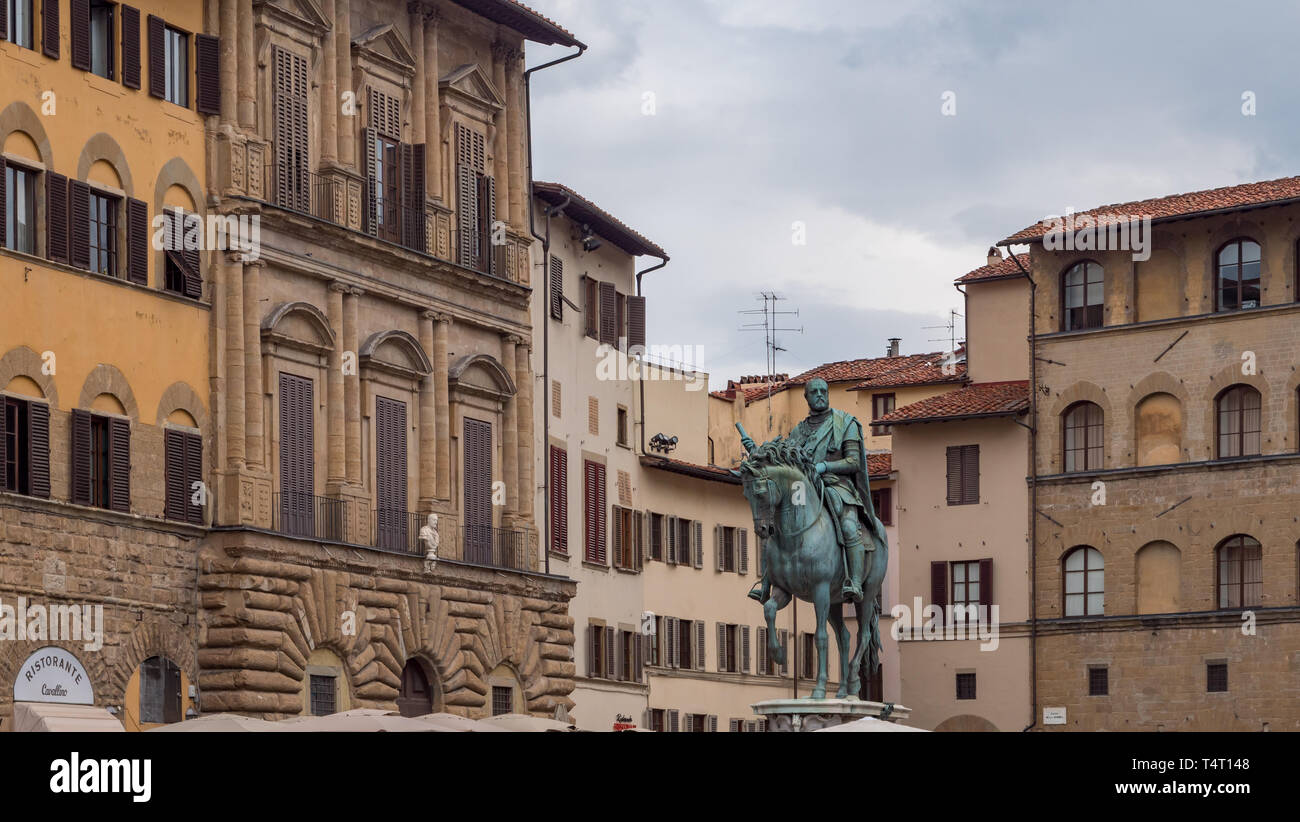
[544, 524]
[640, 374]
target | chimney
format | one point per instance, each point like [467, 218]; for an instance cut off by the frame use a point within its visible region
[995, 256]
[892, 351]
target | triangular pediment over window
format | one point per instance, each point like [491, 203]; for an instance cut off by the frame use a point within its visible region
[307, 14]
[470, 81]
[387, 45]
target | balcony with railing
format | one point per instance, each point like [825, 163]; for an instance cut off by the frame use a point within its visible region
[424, 229]
[331, 519]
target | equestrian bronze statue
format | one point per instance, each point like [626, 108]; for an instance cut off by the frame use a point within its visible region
[819, 539]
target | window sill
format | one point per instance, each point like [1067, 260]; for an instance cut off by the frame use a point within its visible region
[594, 566]
[22, 54]
[102, 84]
[181, 113]
[631, 571]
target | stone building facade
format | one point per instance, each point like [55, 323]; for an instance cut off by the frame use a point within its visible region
[372, 367]
[106, 420]
[1167, 469]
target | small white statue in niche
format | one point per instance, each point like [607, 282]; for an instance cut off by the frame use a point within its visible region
[431, 538]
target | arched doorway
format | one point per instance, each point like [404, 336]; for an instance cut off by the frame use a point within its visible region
[415, 697]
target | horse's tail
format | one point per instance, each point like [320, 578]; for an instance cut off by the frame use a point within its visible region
[875, 648]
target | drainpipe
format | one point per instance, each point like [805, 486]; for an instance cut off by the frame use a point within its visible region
[640, 372]
[1033, 498]
[544, 524]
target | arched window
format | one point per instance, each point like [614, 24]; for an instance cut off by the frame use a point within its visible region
[1084, 582]
[1238, 421]
[1237, 282]
[1239, 572]
[1083, 437]
[415, 697]
[1082, 296]
[160, 691]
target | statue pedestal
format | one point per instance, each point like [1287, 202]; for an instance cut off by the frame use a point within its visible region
[815, 714]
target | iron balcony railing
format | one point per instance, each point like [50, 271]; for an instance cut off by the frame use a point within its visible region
[393, 529]
[495, 547]
[306, 515]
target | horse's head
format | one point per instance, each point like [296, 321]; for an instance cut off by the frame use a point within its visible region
[767, 475]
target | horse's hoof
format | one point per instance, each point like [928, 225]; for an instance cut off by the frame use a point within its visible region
[819, 693]
[841, 693]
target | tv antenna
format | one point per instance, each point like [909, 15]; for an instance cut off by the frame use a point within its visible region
[951, 327]
[769, 327]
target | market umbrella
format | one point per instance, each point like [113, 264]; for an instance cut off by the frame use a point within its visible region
[870, 724]
[528, 724]
[454, 722]
[218, 723]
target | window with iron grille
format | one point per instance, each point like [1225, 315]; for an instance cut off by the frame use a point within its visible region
[323, 701]
[966, 686]
[1083, 296]
[1216, 677]
[503, 700]
[1083, 437]
[1098, 681]
[1238, 421]
[103, 234]
[1240, 572]
[19, 207]
[881, 404]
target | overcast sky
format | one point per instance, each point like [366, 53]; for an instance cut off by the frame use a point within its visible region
[830, 113]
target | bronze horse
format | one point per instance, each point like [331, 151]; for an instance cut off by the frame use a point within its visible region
[799, 548]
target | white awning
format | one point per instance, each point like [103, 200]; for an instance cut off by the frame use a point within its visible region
[54, 716]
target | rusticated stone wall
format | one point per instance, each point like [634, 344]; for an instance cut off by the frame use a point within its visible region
[268, 601]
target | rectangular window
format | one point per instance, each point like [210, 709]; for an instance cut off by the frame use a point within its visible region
[728, 648]
[19, 30]
[19, 207]
[503, 700]
[966, 686]
[160, 691]
[24, 447]
[881, 404]
[685, 643]
[655, 720]
[387, 207]
[1098, 681]
[177, 57]
[593, 503]
[101, 39]
[103, 234]
[683, 541]
[1216, 677]
[625, 547]
[726, 548]
[591, 311]
[965, 583]
[99, 462]
[883, 501]
[620, 314]
[181, 261]
[963, 474]
[322, 695]
[657, 536]
[807, 656]
[622, 426]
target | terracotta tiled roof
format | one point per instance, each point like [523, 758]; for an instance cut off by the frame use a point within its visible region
[981, 399]
[927, 372]
[1006, 268]
[582, 210]
[863, 369]
[536, 27]
[691, 469]
[878, 465]
[754, 388]
[1182, 205]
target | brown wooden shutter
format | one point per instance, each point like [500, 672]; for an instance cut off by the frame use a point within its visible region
[986, 582]
[970, 474]
[763, 667]
[4, 198]
[137, 241]
[4, 21]
[785, 645]
[557, 288]
[80, 31]
[189, 259]
[559, 500]
[588, 512]
[954, 474]
[717, 547]
[722, 644]
[602, 556]
[413, 195]
[130, 46]
[593, 649]
[56, 217]
[290, 125]
[49, 29]
[38, 449]
[608, 317]
[611, 653]
[171, 692]
[207, 74]
[119, 464]
[390, 473]
[744, 648]
[635, 322]
[697, 653]
[488, 192]
[297, 463]
[743, 566]
[616, 513]
[193, 474]
[78, 224]
[939, 584]
[175, 495]
[157, 57]
[80, 454]
[639, 645]
[466, 217]
[699, 544]
[156, 32]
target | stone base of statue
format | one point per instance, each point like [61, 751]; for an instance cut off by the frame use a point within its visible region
[814, 714]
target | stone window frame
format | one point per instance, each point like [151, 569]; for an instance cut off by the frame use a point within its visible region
[1086, 571]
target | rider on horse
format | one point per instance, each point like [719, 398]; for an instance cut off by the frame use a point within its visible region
[833, 441]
